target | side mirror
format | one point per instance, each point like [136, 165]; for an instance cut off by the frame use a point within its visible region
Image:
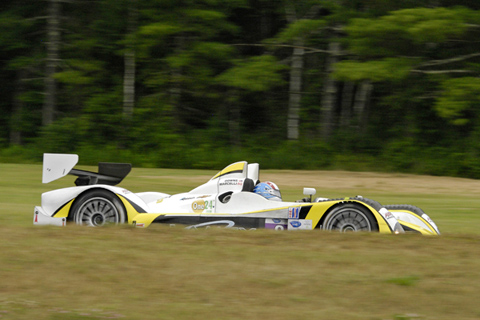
[309, 192]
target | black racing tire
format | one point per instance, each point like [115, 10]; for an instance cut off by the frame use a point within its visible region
[416, 210]
[350, 217]
[372, 203]
[97, 208]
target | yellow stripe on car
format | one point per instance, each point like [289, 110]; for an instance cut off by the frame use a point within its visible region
[416, 228]
[131, 212]
[143, 220]
[235, 167]
[64, 211]
[383, 226]
[432, 230]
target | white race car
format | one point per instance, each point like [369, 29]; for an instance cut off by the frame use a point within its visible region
[233, 198]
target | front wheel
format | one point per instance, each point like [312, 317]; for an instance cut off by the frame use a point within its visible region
[350, 217]
[97, 208]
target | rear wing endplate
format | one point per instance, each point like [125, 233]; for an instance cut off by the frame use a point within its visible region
[57, 165]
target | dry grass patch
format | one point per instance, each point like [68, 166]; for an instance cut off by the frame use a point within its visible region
[172, 273]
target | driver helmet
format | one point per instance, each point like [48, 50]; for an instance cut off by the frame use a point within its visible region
[268, 190]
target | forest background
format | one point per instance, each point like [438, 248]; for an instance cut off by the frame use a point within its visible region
[382, 85]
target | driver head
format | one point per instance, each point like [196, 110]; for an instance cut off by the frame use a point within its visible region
[268, 190]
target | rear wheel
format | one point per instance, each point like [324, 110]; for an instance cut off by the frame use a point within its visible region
[97, 208]
[350, 217]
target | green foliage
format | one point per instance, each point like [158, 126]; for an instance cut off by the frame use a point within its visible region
[158, 31]
[300, 28]
[80, 72]
[19, 154]
[61, 137]
[255, 74]
[406, 31]
[149, 36]
[102, 118]
[11, 27]
[194, 59]
[388, 69]
[406, 155]
[460, 98]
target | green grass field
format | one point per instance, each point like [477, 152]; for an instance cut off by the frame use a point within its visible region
[171, 273]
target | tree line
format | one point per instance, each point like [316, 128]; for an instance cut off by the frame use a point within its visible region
[389, 84]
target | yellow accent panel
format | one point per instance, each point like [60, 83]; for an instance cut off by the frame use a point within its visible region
[239, 166]
[432, 230]
[317, 211]
[417, 228]
[131, 212]
[145, 218]
[63, 213]
[383, 226]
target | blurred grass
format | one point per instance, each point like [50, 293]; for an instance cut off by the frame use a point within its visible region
[172, 273]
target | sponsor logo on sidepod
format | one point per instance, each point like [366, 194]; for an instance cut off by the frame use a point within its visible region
[198, 206]
[295, 224]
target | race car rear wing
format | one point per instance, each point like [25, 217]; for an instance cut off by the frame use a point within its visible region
[57, 165]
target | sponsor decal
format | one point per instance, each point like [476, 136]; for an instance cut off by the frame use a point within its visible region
[201, 205]
[231, 182]
[424, 216]
[430, 221]
[125, 191]
[159, 200]
[293, 213]
[220, 223]
[295, 224]
[301, 224]
[139, 225]
[276, 224]
[187, 198]
[389, 218]
[388, 215]
[205, 196]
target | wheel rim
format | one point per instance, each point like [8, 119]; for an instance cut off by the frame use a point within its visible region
[348, 220]
[97, 212]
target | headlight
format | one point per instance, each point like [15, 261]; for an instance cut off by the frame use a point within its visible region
[398, 228]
